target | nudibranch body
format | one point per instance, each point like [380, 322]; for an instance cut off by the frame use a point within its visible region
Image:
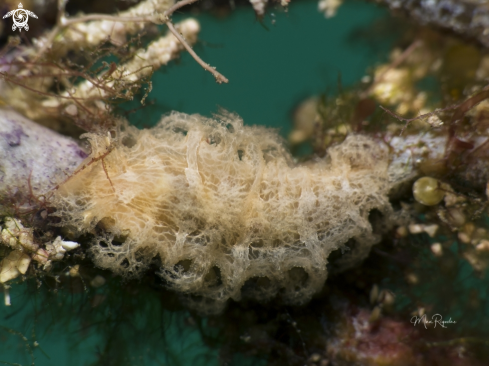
[223, 209]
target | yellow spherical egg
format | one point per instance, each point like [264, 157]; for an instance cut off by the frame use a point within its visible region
[427, 191]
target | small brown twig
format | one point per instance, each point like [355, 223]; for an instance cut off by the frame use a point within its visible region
[460, 110]
[107, 174]
[219, 77]
[84, 166]
[409, 120]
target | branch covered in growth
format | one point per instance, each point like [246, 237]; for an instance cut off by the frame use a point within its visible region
[85, 31]
[122, 81]
[88, 31]
[59, 77]
[467, 18]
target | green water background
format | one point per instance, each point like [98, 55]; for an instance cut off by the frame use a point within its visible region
[270, 71]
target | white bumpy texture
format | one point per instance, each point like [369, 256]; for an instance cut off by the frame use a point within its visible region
[222, 209]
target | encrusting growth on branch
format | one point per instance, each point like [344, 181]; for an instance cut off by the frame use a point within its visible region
[102, 26]
[82, 91]
[140, 67]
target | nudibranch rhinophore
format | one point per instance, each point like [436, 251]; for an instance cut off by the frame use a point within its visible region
[222, 208]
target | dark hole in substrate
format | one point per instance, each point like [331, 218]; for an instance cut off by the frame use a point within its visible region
[213, 277]
[197, 237]
[269, 154]
[240, 154]
[257, 243]
[180, 131]
[230, 127]
[350, 246]
[322, 235]
[338, 254]
[105, 223]
[197, 298]
[298, 276]
[140, 256]
[128, 141]
[125, 263]
[276, 243]
[183, 266]
[214, 139]
[376, 218]
[254, 285]
[156, 263]
[119, 240]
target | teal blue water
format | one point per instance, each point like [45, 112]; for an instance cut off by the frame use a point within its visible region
[69, 329]
[270, 71]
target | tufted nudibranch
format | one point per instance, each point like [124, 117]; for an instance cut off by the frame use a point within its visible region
[222, 208]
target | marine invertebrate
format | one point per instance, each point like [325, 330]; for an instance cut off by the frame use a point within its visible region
[222, 208]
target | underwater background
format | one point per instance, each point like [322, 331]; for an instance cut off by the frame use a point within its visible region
[273, 65]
